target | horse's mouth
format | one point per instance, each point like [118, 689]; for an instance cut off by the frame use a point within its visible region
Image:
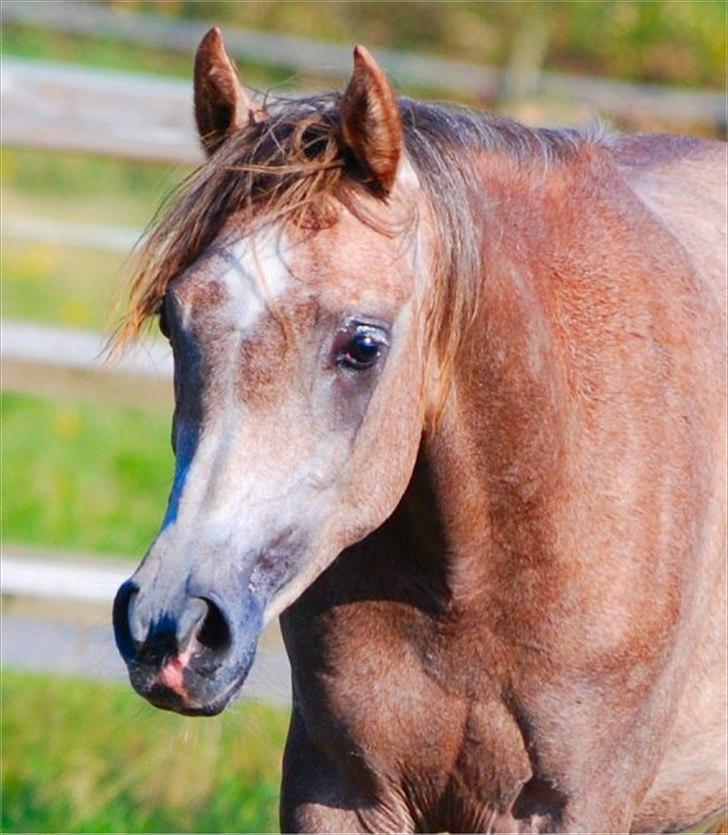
[192, 658]
[165, 699]
[194, 692]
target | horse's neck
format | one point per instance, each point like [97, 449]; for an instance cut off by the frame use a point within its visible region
[489, 472]
[478, 508]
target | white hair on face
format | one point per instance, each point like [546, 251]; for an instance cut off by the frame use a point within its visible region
[257, 275]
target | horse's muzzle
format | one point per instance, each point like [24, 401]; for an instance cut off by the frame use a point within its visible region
[190, 654]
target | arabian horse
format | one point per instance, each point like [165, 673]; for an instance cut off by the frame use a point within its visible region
[450, 401]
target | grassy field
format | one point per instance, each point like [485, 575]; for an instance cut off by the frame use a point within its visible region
[80, 476]
[84, 188]
[60, 284]
[88, 757]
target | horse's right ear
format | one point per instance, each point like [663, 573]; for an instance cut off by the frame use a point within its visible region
[221, 103]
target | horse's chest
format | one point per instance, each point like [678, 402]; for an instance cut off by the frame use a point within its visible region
[381, 704]
[430, 757]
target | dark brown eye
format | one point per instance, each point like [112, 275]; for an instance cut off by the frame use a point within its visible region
[363, 349]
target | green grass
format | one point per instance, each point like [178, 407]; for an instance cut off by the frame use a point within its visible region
[87, 189]
[82, 756]
[78, 476]
[83, 476]
[46, 45]
[60, 285]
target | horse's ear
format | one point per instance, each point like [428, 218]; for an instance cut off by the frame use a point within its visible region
[221, 103]
[370, 120]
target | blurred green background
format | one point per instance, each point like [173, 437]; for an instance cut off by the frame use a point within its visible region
[81, 476]
[673, 41]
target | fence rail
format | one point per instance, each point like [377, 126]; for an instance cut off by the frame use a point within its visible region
[80, 579]
[51, 361]
[69, 233]
[58, 107]
[305, 55]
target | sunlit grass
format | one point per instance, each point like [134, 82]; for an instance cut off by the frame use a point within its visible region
[61, 285]
[81, 756]
[83, 188]
[83, 476]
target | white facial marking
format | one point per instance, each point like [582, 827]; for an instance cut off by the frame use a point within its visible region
[257, 275]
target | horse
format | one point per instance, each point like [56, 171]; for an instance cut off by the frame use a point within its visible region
[450, 401]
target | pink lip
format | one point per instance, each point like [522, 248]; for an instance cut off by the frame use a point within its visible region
[172, 674]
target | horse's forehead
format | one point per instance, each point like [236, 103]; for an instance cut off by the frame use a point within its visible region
[346, 263]
[236, 275]
[354, 263]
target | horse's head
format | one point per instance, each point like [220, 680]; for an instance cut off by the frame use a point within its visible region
[298, 323]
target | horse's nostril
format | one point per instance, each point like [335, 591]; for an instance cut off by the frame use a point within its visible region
[190, 621]
[215, 631]
[148, 632]
[125, 639]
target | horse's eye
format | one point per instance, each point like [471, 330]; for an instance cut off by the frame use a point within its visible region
[362, 350]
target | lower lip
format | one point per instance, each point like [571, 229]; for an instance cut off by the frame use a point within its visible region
[177, 700]
[211, 709]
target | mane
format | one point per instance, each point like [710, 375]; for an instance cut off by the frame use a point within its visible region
[294, 168]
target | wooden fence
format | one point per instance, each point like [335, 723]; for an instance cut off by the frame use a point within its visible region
[62, 577]
[456, 79]
[67, 108]
[60, 362]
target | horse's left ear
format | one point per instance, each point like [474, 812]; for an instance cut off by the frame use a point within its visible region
[221, 103]
[370, 120]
